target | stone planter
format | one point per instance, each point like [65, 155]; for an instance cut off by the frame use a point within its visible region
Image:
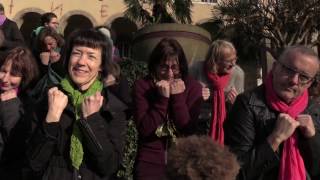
[194, 40]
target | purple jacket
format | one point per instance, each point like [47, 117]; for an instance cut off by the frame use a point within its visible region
[151, 110]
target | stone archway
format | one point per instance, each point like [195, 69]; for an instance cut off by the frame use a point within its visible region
[124, 29]
[18, 18]
[28, 19]
[76, 20]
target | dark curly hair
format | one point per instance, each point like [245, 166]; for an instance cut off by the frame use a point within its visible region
[200, 158]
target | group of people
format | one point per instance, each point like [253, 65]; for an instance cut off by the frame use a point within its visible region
[71, 132]
[77, 129]
[273, 129]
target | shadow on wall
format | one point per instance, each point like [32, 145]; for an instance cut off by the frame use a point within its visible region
[77, 22]
[124, 30]
[31, 20]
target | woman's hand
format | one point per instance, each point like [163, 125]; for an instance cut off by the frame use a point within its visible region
[54, 56]
[45, 57]
[177, 86]
[57, 102]
[231, 95]
[205, 91]
[163, 87]
[92, 104]
[7, 95]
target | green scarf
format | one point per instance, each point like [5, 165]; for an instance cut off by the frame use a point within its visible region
[77, 97]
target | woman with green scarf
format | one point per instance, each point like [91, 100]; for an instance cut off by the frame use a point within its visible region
[77, 137]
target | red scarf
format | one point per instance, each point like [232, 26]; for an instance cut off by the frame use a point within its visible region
[218, 105]
[291, 163]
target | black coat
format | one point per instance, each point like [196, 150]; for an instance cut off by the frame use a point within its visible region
[14, 132]
[12, 35]
[103, 143]
[250, 122]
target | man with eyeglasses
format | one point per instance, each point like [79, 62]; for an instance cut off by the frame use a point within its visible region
[274, 128]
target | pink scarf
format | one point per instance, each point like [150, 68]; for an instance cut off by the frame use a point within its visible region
[291, 163]
[218, 105]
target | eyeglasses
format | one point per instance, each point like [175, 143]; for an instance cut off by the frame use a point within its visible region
[165, 68]
[302, 78]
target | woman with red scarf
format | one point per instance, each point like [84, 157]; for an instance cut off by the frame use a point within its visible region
[223, 80]
[274, 129]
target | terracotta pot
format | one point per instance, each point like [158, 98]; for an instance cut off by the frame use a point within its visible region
[194, 40]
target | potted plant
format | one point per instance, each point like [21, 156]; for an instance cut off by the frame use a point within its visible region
[166, 18]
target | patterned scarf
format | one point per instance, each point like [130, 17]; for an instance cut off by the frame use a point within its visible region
[291, 163]
[77, 97]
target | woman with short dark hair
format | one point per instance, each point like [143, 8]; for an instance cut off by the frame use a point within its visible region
[167, 104]
[18, 73]
[77, 136]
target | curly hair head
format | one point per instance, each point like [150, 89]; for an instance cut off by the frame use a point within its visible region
[199, 158]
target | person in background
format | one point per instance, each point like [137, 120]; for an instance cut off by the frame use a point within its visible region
[166, 105]
[49, 44]
[48, 56]
[314, 89]
[115, 51]
[50, 19]
[77, 136]
[225, 80]
[118, 88]
[18, 73]
[274, 129]
[117, 84]
[10, 35]
[47, 20]
[200, 158]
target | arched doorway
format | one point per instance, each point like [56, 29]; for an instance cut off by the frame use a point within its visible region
[31, 20]
[123, 29]
[77, 21]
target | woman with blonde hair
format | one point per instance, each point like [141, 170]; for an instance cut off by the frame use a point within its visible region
[224, 78]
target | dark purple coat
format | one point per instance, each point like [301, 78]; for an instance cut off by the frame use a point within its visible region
[151, 110]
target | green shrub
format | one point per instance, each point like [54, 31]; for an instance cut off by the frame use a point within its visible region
[132, 70]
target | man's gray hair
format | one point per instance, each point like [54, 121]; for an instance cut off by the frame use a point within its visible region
[298, 49]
